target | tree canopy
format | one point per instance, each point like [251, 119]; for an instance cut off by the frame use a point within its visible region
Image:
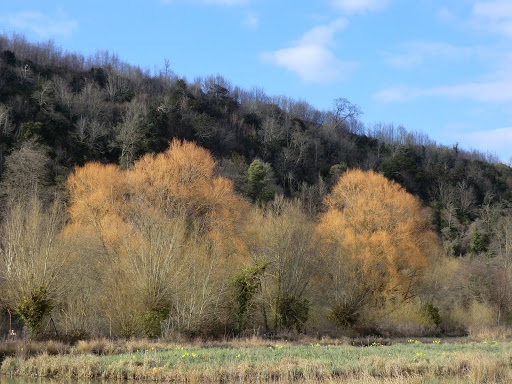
[378, 236]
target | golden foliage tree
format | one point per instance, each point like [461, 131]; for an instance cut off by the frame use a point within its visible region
[377, 244]
[184, 178]
[168, 229]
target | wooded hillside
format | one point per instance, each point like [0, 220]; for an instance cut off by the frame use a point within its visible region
[99, 176]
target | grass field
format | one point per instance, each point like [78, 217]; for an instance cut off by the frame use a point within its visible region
[257, 360]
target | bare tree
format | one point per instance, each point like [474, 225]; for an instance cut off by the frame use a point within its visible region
[89, 132]
[31, 260]
[63, 93]
[284, 238]
[6, 127]
[344, 111]
[130, 131]
[24, 73]
[89, 102]
[503, 273]
[42, 93]
[27, 171]
[117, 84]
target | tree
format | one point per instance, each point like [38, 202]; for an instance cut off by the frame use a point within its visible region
[6, 126]
[32, 261]
[34, 308]
[89, 134]
[131, 131]
[502, 271]
[377, 244]
[245, 286]
[344, 111]
[117, 86]
[169, 233]
[27, 170]
[282, 239]
[43, 94]
[260, 174]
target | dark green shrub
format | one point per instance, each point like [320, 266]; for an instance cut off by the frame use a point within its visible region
[292, 312]
[432, 313]
[34, 308]
[152, 320]
[245, 285]
[343, 315]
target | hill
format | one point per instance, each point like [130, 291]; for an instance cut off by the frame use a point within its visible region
[60, 110]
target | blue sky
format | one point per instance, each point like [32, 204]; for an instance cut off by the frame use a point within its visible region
[439, 67]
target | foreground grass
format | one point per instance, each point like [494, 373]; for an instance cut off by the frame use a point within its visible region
[410, 361]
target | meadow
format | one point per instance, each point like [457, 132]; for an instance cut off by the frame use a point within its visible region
[457, 360]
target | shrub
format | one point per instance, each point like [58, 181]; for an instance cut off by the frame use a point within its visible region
[292, 312]
[34, 308]
[152, 320]
[245, 284]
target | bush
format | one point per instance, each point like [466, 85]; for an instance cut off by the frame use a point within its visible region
[152, 320]
[432, 313]
[96, 347]
[34, 308]
[343, 315]
[245, 285]
[54, 347]
[293, 313]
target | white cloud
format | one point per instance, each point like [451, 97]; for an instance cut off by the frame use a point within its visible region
[495, 87]
[359, 6]
[494, 16]
[311, 57]
[498, 91]
[313, 64]
[251, 21]
[41, 24]
[497, 141]
[494, 91]
[323, 34]
[404, 61]
[416, 52]
[494, 9]
[445, 15]
[396, 94]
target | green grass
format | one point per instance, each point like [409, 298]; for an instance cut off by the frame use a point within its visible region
[413, 361]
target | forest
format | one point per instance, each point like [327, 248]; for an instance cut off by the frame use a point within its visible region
[142, 204]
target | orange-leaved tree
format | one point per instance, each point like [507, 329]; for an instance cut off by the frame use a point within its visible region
[377, 244]
[168, 229]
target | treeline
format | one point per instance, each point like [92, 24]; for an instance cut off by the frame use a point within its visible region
[166, 246]
[59, 110]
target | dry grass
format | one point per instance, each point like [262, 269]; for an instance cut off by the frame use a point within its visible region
[54, 347]
[109, 347]
[7, 348]
[490, 333]
[254, 360]
[97, 347]
[26, 348]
